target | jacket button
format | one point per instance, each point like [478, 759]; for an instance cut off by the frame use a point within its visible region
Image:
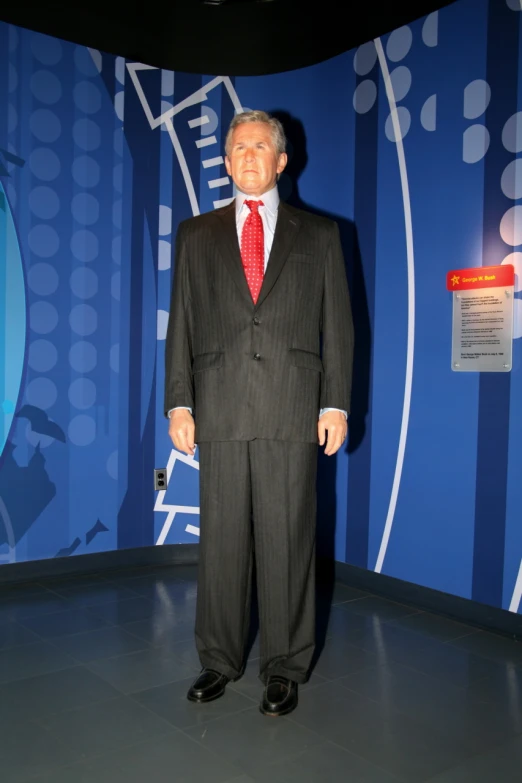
[256, 321]
[257, 356]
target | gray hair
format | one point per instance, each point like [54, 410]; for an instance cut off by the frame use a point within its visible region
[276, 129]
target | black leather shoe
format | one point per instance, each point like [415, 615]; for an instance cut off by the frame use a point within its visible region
[208, 686]
[279, 696]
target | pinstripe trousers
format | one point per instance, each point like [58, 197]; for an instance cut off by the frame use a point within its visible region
[257, 500]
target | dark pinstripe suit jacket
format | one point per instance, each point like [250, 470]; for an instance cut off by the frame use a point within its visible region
[256, 371]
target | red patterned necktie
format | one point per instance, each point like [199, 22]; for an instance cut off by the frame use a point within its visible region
[253, 248]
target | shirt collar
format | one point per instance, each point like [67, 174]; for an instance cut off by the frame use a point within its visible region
[270, 199]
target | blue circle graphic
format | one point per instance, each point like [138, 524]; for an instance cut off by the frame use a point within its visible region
[82, 430]
[42, 279]
[116, 250]
[82, 393]
[116, 286]
[87, 97]
[85, 209]
[13, 78]
[84, 245]
[112, 465]
[114, 358]
[117, 213]
[45, 125]
[84, 283]
[86, 134]
[12, 118]
[46, 49]
[43, 317]
[85, 63]
[46, 87]
[43, 202]
[86, 171]
[43, 241]
[83, 356]
[83, 320]
[117, 177]
[42, 356]
[41, 392]
[44, 164]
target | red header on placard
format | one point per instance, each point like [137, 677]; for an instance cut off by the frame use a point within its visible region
[481, 277]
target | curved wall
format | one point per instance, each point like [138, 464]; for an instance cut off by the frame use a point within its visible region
[411, 143]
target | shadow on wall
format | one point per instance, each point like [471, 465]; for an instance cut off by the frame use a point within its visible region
[327, 466]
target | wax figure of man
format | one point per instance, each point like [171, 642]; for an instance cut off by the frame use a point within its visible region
[258, 287]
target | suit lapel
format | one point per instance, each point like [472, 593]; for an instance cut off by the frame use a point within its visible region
[228, 245]
[286, 230]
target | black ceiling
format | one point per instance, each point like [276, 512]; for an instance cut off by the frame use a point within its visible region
[234, 37]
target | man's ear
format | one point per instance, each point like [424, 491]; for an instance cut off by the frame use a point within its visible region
[281, 163]
[228, 166]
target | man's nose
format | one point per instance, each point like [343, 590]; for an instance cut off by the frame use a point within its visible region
[249, 153]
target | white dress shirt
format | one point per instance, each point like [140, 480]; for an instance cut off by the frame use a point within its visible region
[268, 214]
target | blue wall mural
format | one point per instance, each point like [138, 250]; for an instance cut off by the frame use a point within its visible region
[413, 143]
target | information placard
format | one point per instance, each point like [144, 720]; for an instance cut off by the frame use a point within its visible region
[482, 318]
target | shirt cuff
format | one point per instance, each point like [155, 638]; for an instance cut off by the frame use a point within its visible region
[178, 408]
[325, 410]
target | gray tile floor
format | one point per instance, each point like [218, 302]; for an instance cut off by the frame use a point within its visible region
[94, 672]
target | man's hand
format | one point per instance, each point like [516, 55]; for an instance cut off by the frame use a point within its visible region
[334, 423]
[182, 430]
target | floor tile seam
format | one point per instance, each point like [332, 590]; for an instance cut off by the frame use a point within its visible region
[149, 643]
[462, 691]
[10, 596]
[221, 757]
[69, 594]
[440, 616]
[97, 703]
[67, 584]
[414, 609]
[375, 702]
[240, 693]
[494, 659]
[471, 757]
[517, 645]
[433, 725]
[399, 779]
[70, 607]
[246, 769]
[93, 660]
[72, 665]
[139, 690]
[24, 644]
[473, 632]
[96, 756]
[122, 655]
[40, 719]
[210, 721]
[53, 612]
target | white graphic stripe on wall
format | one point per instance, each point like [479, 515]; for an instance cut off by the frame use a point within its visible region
[514, 606]
[172, 510]
[411, 305]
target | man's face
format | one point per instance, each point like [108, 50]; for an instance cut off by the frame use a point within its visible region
[253, 162]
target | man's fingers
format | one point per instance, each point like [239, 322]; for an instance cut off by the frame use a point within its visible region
[336, 437]
[330, 441]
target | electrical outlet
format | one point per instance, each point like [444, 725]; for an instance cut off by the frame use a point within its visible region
[160, 478]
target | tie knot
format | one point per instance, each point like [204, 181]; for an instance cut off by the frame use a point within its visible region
[254, 205]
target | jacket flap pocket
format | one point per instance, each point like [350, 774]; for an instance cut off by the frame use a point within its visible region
[302, 258]
[207, 361]
[306, 359]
